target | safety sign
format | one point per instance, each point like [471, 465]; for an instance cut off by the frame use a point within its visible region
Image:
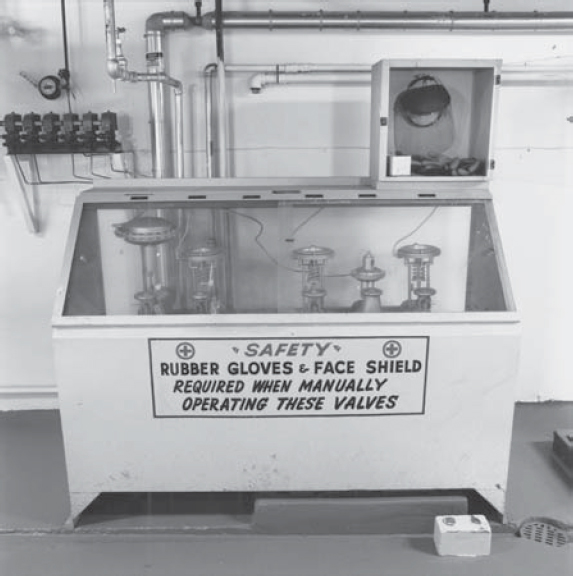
[288, 377]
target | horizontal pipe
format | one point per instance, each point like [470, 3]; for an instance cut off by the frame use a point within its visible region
[297, 68]
[261, 80]
[160, 78]
[356, 20]
[303, 73]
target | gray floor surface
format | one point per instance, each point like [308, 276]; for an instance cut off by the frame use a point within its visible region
[34, 506]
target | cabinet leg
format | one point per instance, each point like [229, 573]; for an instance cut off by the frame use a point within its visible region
[79, 501]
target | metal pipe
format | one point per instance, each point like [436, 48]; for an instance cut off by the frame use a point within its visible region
[111, 39]
[156, 26]
[297, 68]
[219, 144]
[208, 72]
[178, 100]
[158, 106]
[219, 29]
[222, 115]
[110, 29]
[511, 76]
[261, 80]
[221, 91]
[357, 20]
[179, 141]
[168, 21]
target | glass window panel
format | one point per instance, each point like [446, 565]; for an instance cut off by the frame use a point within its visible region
[284, 258]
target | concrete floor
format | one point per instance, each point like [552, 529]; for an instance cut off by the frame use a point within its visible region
[34, 506]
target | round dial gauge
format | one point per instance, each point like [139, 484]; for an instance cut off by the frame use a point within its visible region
[50, 87]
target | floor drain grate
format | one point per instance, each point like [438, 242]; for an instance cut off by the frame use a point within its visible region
[545, 531]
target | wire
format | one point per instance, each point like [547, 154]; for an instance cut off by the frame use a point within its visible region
[182, 239]
[77, 176]
[41, 182]
[268, 254]
[260, 244]
[91, 159]
[304, 223]
[426, 218]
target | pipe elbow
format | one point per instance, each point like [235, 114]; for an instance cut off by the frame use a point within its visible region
[256, 83]
[114, 69]
[165, 21]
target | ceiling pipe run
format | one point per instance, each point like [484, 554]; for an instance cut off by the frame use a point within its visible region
[356, 20]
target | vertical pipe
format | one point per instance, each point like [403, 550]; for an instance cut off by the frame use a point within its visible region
[147, 286]
[222, 134]
[222, 90]
[209, 118]
[162, 165]
[180, 153]
[110, 30]
[180, 264]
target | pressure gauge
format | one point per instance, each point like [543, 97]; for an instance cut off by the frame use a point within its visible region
[50, 87]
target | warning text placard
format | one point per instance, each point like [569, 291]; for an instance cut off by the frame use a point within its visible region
[286, 377]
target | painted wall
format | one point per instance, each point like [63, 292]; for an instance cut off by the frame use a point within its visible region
[290, 130]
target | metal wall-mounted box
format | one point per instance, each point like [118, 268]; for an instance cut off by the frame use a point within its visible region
[439, 112]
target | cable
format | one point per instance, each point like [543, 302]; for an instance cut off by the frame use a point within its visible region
[269, 255]
[41, 182]
[260, 244]
[91, 159]
[182, 239]
[426, 218]
[304, 222]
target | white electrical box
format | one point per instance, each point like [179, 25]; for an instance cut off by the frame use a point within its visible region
[263, 335]
[462, 535]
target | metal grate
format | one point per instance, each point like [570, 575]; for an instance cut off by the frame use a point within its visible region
[544, 531]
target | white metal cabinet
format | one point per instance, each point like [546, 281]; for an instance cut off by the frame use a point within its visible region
[132, 423]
